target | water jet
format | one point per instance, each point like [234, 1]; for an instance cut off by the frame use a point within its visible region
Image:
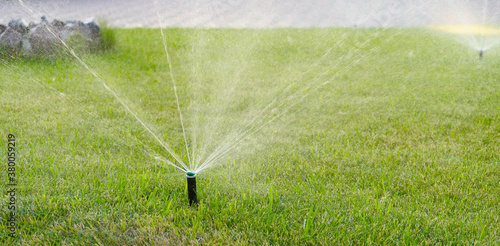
[191, 186]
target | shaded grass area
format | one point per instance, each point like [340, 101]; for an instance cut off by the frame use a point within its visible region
[400, 147]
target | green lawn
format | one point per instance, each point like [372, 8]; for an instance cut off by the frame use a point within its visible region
[384, 137]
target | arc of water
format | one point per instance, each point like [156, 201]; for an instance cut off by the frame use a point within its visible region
[65, 98]
[215, 122]
[265, 121]
[173, 81]
[260, 119]
[485, 9]
[72, 52]
[257, 128]
[159, 157]
[256, 120]
[476, 41]
[221, 153]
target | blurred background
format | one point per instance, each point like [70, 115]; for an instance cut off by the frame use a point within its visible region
[258, 13]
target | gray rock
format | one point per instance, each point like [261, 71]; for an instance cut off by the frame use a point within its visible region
[88, 20]
[26, 45]
[57, 23]
[31, 25]
[92, 30]
[73, 28]
[72, 23]
[44, 20]
[11, 40]
[2, 28]
[43, 39]
[20, 25]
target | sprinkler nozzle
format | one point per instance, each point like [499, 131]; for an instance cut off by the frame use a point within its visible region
[480, 54]
[191, 185]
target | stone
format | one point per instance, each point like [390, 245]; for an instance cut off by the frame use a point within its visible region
[73, 23]
[44, 20]
[92, 30]
[11, 40]
[31, 25]
[26, 46]
[20, 25]
[88, 20]
[72, 28]
[57, 23]
[43, 39]
[2, 28]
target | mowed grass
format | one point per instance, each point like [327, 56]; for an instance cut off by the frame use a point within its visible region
[401, 147]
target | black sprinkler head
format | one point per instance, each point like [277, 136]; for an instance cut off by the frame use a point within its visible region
[191, 185]
[480, 54]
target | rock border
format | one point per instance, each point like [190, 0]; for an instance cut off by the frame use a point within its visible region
[21, 38]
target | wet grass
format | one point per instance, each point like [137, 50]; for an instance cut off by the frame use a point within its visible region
[400, 147]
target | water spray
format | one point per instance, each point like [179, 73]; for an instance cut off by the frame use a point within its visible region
[191, 185]
[480, 54]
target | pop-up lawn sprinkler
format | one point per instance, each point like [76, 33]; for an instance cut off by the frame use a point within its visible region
[191, 185]
[480, 54]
